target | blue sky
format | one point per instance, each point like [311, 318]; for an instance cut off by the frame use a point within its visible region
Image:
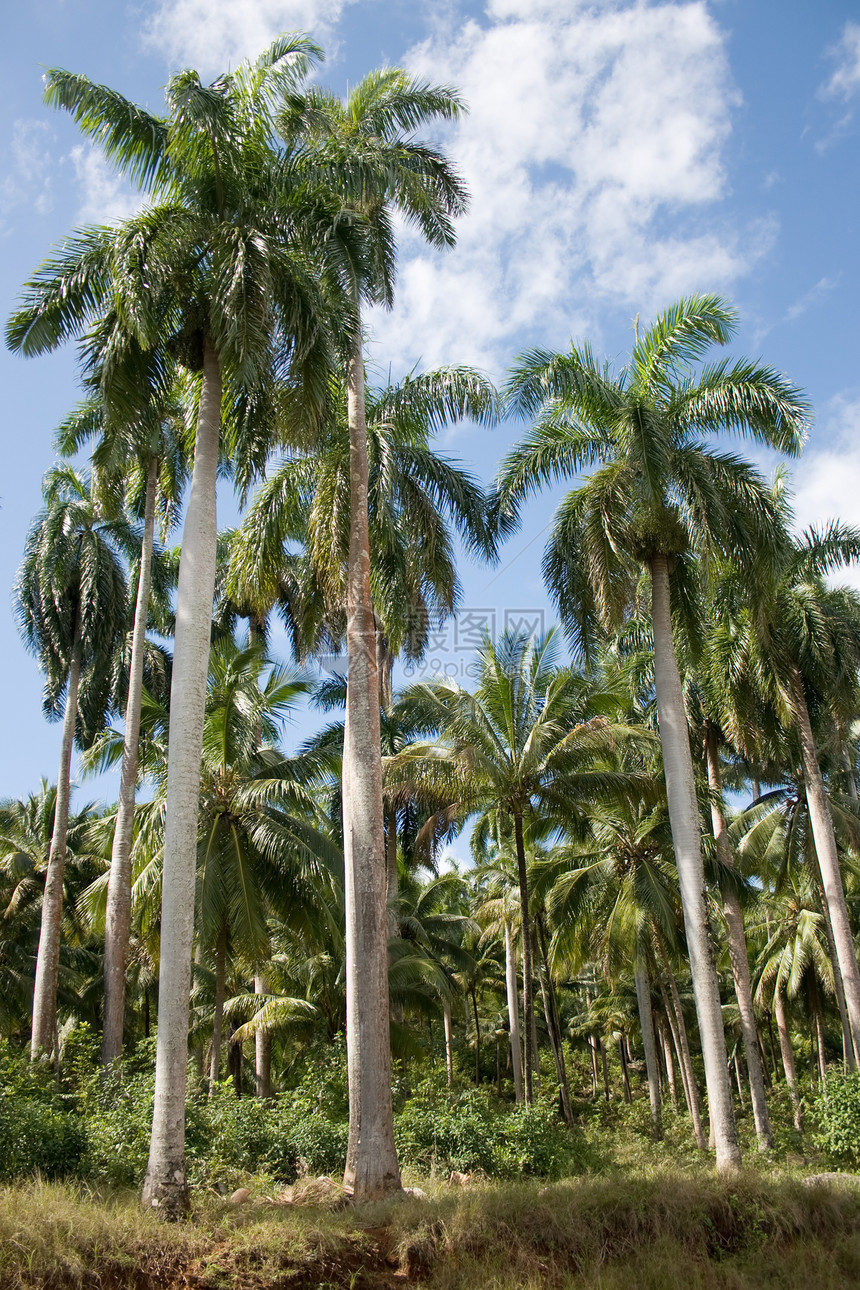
[618, 156]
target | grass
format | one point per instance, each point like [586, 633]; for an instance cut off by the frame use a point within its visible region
[662, 1229]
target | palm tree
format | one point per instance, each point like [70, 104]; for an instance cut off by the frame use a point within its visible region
[70, 597]
[518, 746]
[376, 166]
[293, 546]
[807, 638]
[144, 456]
[26, 830]
[658, 497]
[222, 266]
[260, 838]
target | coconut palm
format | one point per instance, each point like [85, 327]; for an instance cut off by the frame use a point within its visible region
[658, 497]
[222, 265]
[376, 166]
[70, 599]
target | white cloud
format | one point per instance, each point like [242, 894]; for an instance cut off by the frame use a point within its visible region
[846, 78]
[826, 480]
[27, 182]
[105, 195]
[811, 297]
[594, 154]
[215, 35]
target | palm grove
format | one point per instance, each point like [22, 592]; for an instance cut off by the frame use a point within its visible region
[273, 901]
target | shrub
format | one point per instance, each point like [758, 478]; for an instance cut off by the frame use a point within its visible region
[467, 1132]
[839, 1116]
[37, 1132]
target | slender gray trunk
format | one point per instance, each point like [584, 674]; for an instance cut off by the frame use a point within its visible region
[847, 1041]
[371, 1157]
[738, 956]
[595, 1074]
[738, 1077]
[828, 859]
[552, 1023]
[848, 764]
[687, 843]
[477, 1037]
[528, 976]
[392, 876]
[118, 916]
[669, 1062]
[44, 1033]
[165, 1187]
[218, 1018]
[513, 1012]
[652, 1065]
[675, 1015]
[625, 1075]
[787, 1054]
[815, 1004]
[449, 1041]
[262, 1049]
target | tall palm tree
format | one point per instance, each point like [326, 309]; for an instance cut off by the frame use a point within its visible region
[70, 597]
[26, 830]
[221, 265]
[658, 497]
[292, 549]
[807, 639]
[142, 456]
[376, 167]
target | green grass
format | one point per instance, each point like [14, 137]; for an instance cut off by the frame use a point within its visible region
[665, 1230]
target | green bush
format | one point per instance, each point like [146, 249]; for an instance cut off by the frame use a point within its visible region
[38, 1133]
[38, 1137]
[303, 1140]
[838, 1110]
[467, 1132]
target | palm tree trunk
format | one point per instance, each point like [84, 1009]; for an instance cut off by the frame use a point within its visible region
[848, 1059]
[262, 1049]
[43, 1038]
[165, 1186]
[675, 1016]
[736, 937]
[595, 1074]
[118, 916]
[625, 1075]
[513, 1012]
[218, 1019]
[392, 876]
[787, 1054]
[477, 1036]
[686, 840]
[373, 1158]
[818, 1019]
[528, 978]
[669, 1062]
[449, 1041]
[828, 859]
[646, 1024]
[552, 1023]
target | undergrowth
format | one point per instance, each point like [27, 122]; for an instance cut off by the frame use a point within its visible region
[666, 1231]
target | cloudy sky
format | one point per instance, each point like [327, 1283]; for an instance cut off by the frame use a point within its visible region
[618, 155]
